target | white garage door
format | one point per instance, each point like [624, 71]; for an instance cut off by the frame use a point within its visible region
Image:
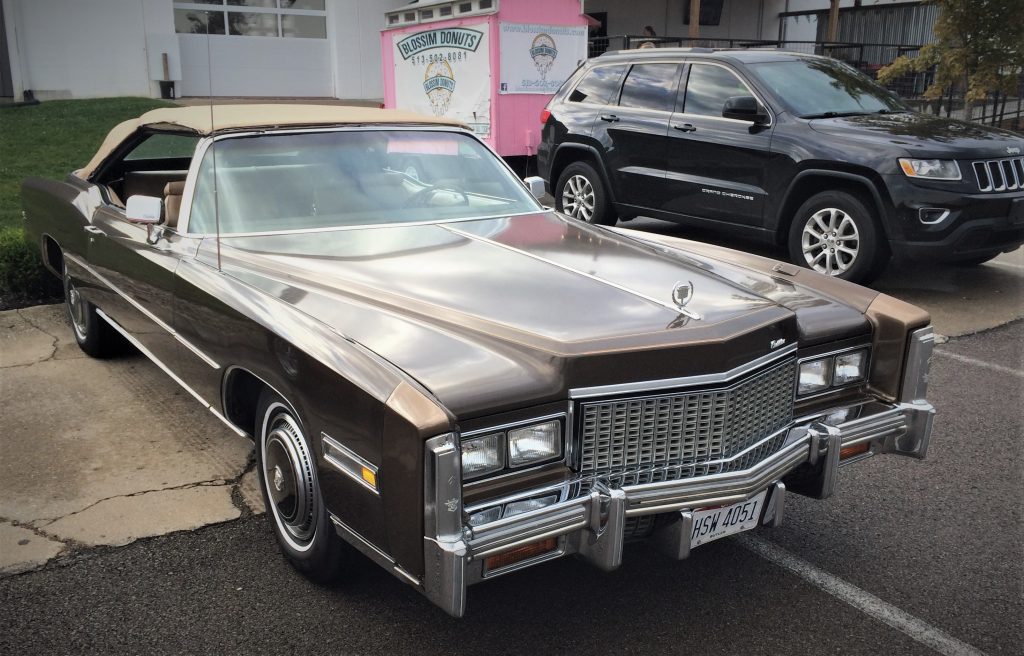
[254, 48]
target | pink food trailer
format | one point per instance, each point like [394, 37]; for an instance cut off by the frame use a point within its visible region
[493, 64]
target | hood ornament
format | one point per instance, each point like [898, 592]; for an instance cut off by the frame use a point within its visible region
[681, 295]
[1010, 150]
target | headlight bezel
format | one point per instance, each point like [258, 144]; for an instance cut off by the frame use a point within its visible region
[832, 357]
[504, 430]
[910, 167]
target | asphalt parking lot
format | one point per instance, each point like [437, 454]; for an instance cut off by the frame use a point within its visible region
[128, 524]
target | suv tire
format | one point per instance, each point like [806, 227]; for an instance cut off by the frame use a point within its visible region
[837, 234]
[581, 194]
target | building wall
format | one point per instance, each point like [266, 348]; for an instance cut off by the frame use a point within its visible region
[741, 19]
[82, 49]
[98, 48]
[356, 47]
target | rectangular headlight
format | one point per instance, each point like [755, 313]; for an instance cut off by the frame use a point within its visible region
[815, 376]
[850, 367]
[483, 455]
[930, 169]
[535, 443]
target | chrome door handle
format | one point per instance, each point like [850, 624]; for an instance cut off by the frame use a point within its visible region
[94, 230]
[686, 127]
[609, 118]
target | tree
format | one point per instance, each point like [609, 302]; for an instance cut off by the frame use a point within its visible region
[978, 49]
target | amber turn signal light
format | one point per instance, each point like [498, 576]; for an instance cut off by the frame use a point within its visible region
[520, 554]
[855, 450]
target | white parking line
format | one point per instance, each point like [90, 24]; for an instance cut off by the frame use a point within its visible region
[863, 601]
[980, 363]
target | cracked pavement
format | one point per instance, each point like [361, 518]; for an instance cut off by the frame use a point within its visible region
[102, 453]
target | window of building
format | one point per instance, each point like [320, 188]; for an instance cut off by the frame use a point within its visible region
[274, 18]
[598, 86]
[709, 87]
[651, 86]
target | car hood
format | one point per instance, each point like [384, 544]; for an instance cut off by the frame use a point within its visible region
[920, 134]
[503, 312]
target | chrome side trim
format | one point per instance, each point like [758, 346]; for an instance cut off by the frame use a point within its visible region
[348, 462]
[444, 550]
[371, 551]
[668, 306]
[685, 381]
[915, 372]
[146, 352]
[149, 315]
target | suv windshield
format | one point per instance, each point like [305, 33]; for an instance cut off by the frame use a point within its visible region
[302, 181]
[815, 88]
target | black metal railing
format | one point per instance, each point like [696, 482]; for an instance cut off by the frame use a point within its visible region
[1000, 109]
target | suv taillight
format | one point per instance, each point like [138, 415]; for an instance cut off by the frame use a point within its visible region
[544, 116]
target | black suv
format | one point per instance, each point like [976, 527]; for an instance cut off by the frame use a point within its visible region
[797, 150]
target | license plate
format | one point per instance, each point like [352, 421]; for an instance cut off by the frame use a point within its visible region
[714, 523]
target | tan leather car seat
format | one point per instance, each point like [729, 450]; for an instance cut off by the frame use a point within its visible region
[172, 202]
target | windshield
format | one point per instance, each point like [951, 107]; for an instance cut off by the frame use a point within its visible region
[275, 182]
[814, 88]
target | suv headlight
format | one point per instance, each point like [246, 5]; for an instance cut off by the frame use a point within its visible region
[930, 169]
[831, 371]
[530, 444]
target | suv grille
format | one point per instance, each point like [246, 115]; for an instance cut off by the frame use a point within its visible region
[685, 434]
[1000, 174]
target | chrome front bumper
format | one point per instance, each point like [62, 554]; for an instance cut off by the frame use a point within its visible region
[592, 524]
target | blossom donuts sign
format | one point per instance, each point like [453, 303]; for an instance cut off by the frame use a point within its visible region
[446, 72]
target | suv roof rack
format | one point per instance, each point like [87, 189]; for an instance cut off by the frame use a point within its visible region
[633, 51]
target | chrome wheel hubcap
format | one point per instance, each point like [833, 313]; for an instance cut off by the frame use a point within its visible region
[76, 307]
[830, 241]
[578, 198]
[290, 480]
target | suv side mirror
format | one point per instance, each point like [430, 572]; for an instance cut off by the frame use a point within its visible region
[744, 108]
[147, 210]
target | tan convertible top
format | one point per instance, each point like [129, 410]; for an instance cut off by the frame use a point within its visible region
[232, 117]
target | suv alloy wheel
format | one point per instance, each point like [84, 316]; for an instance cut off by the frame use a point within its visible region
[581, 194]
[835, 233]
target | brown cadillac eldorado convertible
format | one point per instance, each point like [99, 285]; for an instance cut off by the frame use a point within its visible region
[450, 378]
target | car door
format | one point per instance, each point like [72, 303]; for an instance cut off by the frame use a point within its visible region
[716, 165]
[633, 133]
[135, 262]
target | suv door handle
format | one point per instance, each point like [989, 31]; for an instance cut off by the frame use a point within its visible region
[686, 127]
[609, 118]
[94, 230]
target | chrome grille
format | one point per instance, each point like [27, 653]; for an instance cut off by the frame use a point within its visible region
[687, 433]
[1005, 174]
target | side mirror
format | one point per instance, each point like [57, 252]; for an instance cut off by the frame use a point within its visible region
[536, 186]
[744, 108]
[147, 210]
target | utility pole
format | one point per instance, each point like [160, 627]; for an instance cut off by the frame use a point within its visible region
[695, 19]
[833, 21]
